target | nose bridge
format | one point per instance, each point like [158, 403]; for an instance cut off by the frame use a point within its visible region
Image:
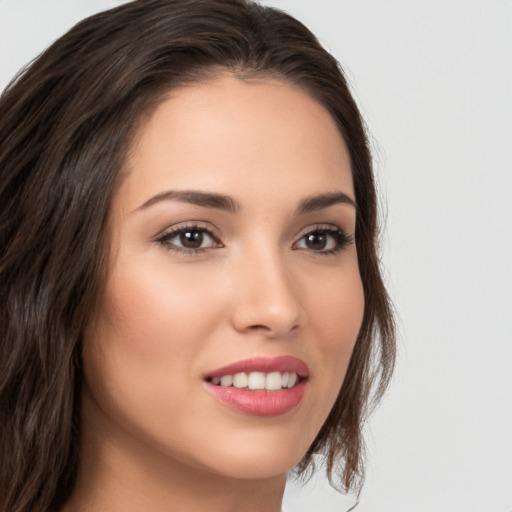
[267, 298]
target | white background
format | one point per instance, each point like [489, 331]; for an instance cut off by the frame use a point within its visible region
[434, 81]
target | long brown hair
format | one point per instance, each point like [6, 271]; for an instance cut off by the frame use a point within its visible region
[66, 125]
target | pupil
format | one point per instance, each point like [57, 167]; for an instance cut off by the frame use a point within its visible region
[191, 239]
[316, 241]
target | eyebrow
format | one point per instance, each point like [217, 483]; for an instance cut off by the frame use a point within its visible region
[204, 199]
[315, 203]
[228, 204]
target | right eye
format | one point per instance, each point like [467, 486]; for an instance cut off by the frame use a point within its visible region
[189, 239]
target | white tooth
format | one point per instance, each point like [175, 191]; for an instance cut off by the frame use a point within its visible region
[216, 381]
[292, 380]
[273, 381]
[240, 380]
[285, 378]
[256, 380]
[226, 380]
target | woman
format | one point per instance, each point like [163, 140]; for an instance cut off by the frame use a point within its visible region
[191, 299]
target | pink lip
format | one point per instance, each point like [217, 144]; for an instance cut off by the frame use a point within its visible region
[261, 402]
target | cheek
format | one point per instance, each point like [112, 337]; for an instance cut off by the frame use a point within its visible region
[336, 312]
[146, 340]
[154, 312]
[336, 316]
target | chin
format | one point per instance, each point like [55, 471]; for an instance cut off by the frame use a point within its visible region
[254, 454]
[260, 467]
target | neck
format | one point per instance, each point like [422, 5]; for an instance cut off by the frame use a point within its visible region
[118, 474]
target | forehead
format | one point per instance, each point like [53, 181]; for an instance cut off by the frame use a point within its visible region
[239, 136]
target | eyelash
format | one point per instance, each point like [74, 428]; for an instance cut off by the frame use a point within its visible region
[166, 237]
[341, 239]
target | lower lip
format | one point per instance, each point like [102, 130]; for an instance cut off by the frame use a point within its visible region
[259, 402]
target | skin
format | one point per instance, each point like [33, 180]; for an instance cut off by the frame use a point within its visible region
[154, 439]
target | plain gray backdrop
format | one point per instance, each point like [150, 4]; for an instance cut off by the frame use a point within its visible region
[434, 82]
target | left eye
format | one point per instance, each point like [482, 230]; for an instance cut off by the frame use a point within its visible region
[323, 240]
[188, 238]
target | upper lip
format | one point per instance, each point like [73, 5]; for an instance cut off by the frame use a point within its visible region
[263, 364]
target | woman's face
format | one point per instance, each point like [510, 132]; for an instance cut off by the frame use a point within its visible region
[232, 253]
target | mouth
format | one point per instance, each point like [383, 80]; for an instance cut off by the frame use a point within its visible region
[273, 381]
[260, 386]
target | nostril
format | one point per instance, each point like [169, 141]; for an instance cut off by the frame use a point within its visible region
[259, 328]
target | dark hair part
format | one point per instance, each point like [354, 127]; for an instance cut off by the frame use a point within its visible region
[66, 124]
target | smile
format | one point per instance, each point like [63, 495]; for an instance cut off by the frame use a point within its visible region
[258, 380]
[260, 386]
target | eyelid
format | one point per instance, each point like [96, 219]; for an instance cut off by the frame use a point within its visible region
[333, 230]
[339, 234]
[322, 226]
[176, 229]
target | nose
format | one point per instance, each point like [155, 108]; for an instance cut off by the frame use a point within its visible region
[267, 300]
